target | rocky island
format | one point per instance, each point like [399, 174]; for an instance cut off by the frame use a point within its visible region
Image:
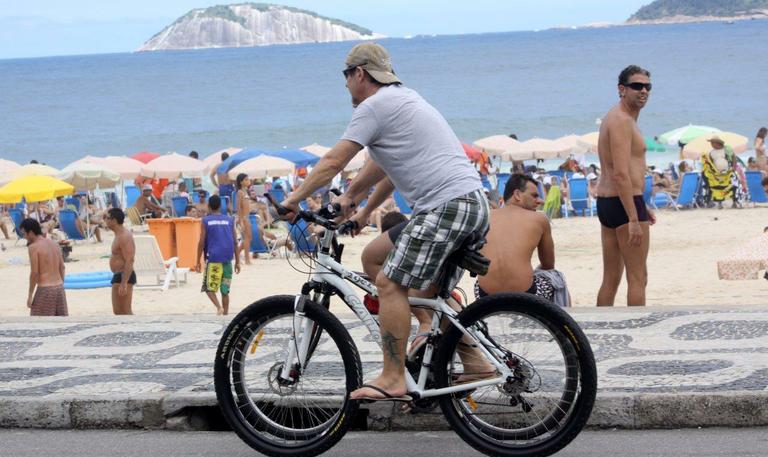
[252, 24]
[678, 11]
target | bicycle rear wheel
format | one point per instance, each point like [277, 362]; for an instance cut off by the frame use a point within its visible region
[549, 398]
[304, 416]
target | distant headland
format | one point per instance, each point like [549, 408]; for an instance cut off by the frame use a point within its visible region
[252, 24]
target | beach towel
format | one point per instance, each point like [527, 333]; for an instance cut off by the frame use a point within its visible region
[552, 202]
[746, 261]
[562, 298]
[720, 183]
[49, 301]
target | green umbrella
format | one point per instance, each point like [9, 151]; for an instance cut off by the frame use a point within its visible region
[685, 134]
[651, 145]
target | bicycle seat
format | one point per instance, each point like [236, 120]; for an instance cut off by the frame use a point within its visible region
[468, 256]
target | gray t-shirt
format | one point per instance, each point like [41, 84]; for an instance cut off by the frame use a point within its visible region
[415, 146]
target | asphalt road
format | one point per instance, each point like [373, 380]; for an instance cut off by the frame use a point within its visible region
[114, 443]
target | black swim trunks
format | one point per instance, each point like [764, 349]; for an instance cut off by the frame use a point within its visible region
[394, 232]
[541, 287]
[611, 212]
[117, 278]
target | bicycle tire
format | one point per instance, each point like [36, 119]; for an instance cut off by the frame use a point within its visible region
[490, 439]
[263, 434]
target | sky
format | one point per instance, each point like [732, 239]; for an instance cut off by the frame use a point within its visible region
[37, 28]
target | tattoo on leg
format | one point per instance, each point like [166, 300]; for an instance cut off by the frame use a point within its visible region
[390, 346]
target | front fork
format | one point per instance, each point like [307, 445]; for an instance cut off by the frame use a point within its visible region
[298, 345]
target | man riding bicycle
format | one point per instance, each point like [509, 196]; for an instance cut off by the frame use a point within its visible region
[411, 144]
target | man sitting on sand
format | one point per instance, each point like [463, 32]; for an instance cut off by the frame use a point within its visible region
[121, 263]
[46, 278]
[218, 241]
[517, 230]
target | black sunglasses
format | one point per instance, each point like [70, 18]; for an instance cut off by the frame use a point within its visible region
[639, 86]
[348, 71]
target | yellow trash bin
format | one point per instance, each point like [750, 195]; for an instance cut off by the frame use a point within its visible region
[163, 231]
[187, 237]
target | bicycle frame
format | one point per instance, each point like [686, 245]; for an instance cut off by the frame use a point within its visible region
[331, 272]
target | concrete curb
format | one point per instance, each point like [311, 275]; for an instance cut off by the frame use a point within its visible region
[184, 411]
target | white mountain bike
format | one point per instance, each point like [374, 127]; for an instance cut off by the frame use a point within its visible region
[285, 366]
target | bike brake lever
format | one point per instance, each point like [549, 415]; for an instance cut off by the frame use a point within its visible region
[281, 210]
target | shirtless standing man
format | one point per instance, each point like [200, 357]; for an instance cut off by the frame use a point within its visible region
[222, 182]
[624, 218]
[516, 231]
[46, 278]
[121, 263]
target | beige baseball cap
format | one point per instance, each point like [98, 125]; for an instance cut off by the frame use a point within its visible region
[715, 139]
[374, 59]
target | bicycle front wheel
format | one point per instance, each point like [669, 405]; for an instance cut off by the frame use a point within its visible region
[549, 397]
[303, 415]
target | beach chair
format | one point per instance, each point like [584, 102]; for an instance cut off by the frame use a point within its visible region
[501, 183]
[579, 197]
[132, 193]
[68, 225]
[179, 205]
[648, 192]
[755, 187]
[17, 216]
[137, 219]
[303, 240]
[402, 204]
[73, 202]
[277, 194]
[257, 246]
[688, 185]
[149, 262]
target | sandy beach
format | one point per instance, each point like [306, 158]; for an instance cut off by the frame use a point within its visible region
[685, 247]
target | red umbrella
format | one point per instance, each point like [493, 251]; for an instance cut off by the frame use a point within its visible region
[472, 153]
[145, 156]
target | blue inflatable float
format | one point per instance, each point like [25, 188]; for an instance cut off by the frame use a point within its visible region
[90, 280]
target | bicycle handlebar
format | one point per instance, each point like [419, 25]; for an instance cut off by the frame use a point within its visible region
[323, 217]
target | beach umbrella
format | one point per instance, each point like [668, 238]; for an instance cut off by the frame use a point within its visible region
[238, 158]
[701, 145]
[87, 159]
[472, 153]
[173, 166]
[651, 145]
[540, 148]
[89, 175]
[145, 156]
[500, 146]
[358, 161]
[589, 141]
[34, 169]
[214, 160]
[316, 149]
[126, 167]
[263, 166]
[34, 189]
[298, 157]
[685, 134]
[7, 168]
[572, 145]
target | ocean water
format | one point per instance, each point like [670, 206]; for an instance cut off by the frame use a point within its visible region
[545, 84]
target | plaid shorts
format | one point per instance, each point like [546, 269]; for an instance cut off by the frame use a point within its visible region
[430, 237]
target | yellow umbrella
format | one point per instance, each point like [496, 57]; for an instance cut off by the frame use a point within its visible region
[700, 145]
[34, 189]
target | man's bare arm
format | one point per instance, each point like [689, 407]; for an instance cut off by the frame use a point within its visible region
[200, 245]
[546, 247]
[621, 133]
[332, 163]
[214, 177]
[34, 271]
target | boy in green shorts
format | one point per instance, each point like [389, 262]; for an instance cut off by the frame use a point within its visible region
[219, 244]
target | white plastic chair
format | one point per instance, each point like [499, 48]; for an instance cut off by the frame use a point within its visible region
[149, 262]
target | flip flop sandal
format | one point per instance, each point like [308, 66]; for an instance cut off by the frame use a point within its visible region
[387, 396]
